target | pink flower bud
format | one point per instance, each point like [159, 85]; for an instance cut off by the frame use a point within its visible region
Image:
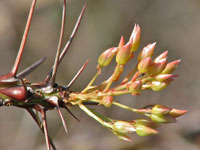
[123, 127]
[164, 77]
[161, 57]
[106, 57]
[171, 67]
[124, 54]
[176, 112]
[163, 118]
[142, 130]
[160, 110]
[147, 51]
[107, 101]
[135, 38]
[135, 87]
[158, 66]
[145, 64]
[121, 42]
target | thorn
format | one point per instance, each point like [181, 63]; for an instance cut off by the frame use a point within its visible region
[90, 103]
[49, 75]
[38, 122]
[23, 42]
[30, 68]
[62, 119]
[56, 63]
[77, 75]
[44, 122]
[71, 113]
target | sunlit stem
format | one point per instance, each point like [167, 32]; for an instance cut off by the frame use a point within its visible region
[111, 79]
[24, 38]
[140, 111]
[55, 67]
[91, 82]
[130, 74]
[91, 114]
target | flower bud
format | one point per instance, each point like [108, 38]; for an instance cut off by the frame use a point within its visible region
[135, 38]
[157, 86]
[160, 110]
[122, 136]
[135, 87]
[158, 66]
[176, 112]
[163, 118]
[164, 77]
[147, 51]
[145, 64]
[123, 127]
[121, 42]
[142, 130]
[161, 57]
[171, 67]
[106, 57]
[124, 54]
[107, 101]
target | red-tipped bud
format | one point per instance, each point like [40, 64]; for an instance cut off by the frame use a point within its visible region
[122, 136]
[124, 54]
[135, 87]
[147, 51]
[123, 127]
[171, 67]
[121, 42]
[163, 118]
[176, 112]
[145, 64]
[161, 57]
[158, 66]
[157, 86]
[135, 38]
[106, 57]
[107, 101]
[164, 77]
[160, 110]
[142, 130]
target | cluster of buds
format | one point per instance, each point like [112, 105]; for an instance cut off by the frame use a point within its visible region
[37, 98]
[155, 74]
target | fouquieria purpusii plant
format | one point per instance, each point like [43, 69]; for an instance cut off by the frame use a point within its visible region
[150, 73]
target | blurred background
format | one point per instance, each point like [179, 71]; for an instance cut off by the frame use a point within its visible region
[174, 25]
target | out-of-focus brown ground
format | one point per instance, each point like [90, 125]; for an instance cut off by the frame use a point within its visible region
[174, 25]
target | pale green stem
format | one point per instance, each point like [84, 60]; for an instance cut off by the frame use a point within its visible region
[91, 114]
[140, 111]
[130, 74]
[125, 107]
[110, 80]
[91, 82]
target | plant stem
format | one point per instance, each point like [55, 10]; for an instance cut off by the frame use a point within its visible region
[91, 114]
